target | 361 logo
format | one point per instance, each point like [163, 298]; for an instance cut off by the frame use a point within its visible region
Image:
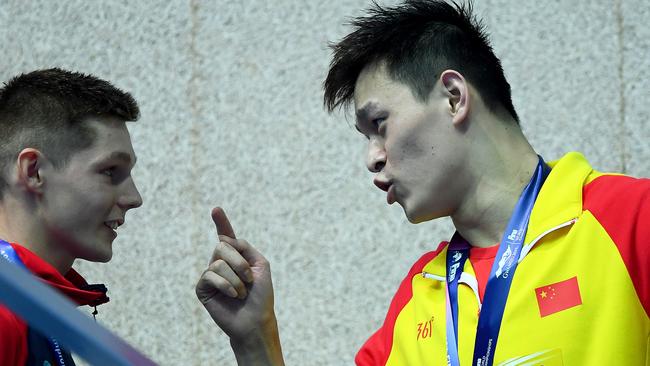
[425, 329]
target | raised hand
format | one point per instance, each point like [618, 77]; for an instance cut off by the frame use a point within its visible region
[237, 291]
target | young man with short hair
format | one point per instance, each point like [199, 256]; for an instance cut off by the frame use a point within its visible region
[550, 261]
[65, 187]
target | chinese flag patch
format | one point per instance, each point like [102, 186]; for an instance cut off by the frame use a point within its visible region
[558, 296]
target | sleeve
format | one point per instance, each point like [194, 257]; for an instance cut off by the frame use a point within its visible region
[372, 352]
[376, 350]
[621, 205]
[13, 339]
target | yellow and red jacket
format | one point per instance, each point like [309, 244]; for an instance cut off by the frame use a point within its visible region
[580, 296]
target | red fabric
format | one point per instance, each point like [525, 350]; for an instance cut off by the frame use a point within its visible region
[558, 296]
[13, 339]
[13, 330]
[377, 348]
[482, 259]
[622, 206]
[70, 284]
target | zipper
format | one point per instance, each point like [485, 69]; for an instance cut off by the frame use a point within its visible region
[473, 283]
[465, 278]
[529, 247]
[431, 276]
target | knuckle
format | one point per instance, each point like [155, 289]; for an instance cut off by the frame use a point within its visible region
[216, 253]
[239, 286]
[226, 248]
[218, 282]
[240, 265]
[201, 280]
[221, 283]
[218, 265]
[225, 240]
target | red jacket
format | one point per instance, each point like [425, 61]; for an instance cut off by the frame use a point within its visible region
[14, 347]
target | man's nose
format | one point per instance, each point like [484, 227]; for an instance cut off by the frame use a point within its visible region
[131, 197]
[375, 156]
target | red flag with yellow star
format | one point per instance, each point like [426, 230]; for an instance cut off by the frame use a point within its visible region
[558, 296]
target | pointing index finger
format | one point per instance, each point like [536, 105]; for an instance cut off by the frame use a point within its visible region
[222, 223]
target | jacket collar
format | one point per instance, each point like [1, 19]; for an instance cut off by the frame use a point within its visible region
[73, 285]
[560, 199]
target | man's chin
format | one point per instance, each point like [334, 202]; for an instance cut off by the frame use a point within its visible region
[419, 216]
[98, 257]
[415, 220]
[412, 216]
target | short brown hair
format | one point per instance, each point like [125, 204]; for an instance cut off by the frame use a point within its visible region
[43, 109]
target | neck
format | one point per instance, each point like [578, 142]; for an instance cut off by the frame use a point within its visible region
[504, 164]
[21, 229]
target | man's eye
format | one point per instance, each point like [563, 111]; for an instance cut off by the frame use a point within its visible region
[377, 122]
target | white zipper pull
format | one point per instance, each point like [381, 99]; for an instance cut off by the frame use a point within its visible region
[527, 248]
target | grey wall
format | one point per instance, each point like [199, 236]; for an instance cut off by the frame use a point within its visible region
[232, 115]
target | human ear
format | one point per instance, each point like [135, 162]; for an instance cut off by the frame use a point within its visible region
[457, 92]
[29, 164]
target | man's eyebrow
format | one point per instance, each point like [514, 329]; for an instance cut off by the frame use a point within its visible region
[364, 112]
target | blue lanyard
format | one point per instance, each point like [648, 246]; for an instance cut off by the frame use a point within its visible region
[9, 254]
[498, 285]
[457, 254]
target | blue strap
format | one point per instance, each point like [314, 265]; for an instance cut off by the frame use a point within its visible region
[457, 254]
[9, 253]
[499, 281]
[49, 312]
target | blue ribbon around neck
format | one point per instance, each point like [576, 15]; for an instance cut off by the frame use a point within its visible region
[499, 281]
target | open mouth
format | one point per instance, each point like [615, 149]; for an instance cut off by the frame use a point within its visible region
[112, 224]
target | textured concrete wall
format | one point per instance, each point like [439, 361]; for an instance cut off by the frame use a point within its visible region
[232, 115]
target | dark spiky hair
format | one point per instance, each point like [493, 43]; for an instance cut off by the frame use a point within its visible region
[45, 109]
[417, 40]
